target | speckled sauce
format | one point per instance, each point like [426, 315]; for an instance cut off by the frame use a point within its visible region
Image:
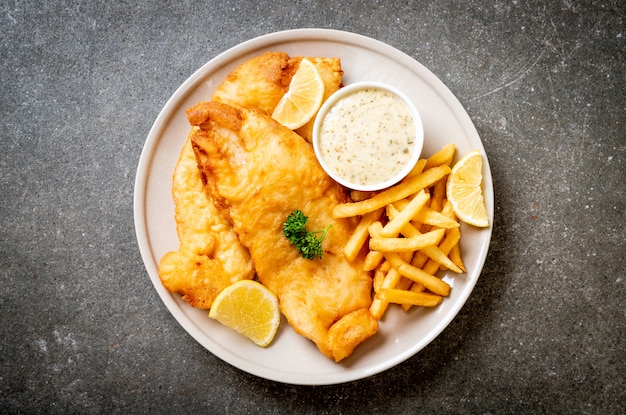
[368, 136]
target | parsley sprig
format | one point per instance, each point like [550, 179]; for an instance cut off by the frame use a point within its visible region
[308, 244]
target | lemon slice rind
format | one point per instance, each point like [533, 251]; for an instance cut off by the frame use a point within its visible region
[250, 309]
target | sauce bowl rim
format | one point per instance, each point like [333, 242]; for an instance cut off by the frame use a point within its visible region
[349, 89]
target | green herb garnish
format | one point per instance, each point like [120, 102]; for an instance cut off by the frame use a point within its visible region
[308, 244]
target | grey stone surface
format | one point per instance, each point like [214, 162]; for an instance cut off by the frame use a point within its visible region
[84, 331]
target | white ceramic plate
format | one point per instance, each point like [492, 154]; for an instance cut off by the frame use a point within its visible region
[292, 358]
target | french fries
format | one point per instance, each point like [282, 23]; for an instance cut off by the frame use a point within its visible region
[360, 234]
[427, 279]
[393, 227]
[410, 233]
[400, 191]
[393, 295]
[411, 244]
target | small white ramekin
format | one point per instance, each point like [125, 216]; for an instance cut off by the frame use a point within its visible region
[418, 143]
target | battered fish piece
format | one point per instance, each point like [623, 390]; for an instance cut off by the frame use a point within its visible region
[210, 256]
[262, 81]
[257, 173]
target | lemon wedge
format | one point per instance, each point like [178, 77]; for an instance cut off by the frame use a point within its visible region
[464, 191]
[303, 99]
[249, 308]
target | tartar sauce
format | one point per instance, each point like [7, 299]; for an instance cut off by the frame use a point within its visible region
[368, 136]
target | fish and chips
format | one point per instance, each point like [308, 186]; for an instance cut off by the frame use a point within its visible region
[240, 175]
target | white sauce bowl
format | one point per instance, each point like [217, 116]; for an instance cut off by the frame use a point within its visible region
[368, 136]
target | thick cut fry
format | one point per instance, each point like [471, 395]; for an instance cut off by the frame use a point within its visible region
[378, 307]
[407, 230]
[375, 228]
[415, 288]
[447, 210]
[360, 234]
[406, 256]
[393, 227]
[358, 195]
[431, 217]
[431, 282]
[400, 191]
[455, 257]
[442, 157]
[453, 236]
[419, 260]
[417, 169]
[392, 295]
[379, 277]
[404, 284]
[400, 205]
[372, 260]
[411, 244]
[455, 251]
[438, 194]
[437, 255]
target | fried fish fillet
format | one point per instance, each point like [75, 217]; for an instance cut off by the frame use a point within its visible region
[258, 172]
[262, 81]
[210, 256]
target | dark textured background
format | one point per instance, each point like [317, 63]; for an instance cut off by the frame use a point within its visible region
[83, 329]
